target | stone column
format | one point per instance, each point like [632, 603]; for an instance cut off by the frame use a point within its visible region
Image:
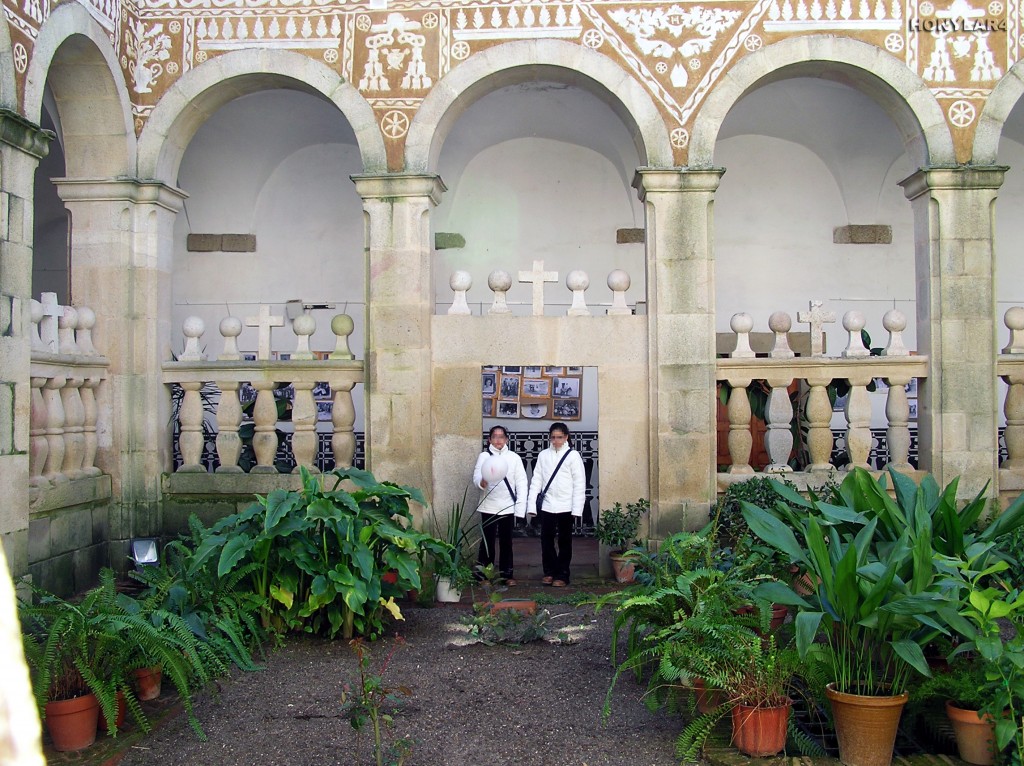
[399, 305]
[121, 240]
[957, 407]
[681, 330]
[22, 145]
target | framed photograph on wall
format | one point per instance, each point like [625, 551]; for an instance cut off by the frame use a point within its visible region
[322, 390]
[566, 388]
[567, 409]
[536, 387]
[534, 409]
[488, 384]
[532, 372]
[573, 370]
[515, 370]
[508, 409]
[488, 408]
[553, 371]
[324, 410]
[510, 387]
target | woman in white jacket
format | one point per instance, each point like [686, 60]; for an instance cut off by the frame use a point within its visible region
[501, 503]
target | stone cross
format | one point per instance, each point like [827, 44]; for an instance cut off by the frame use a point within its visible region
[52, 311]
[816, 318]
[538, 277]
[264, 322]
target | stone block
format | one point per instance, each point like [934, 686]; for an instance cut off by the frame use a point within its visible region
[56, 575]
[862, 234]
[39, 539]
[203, 243]
[86, 564]
[70, 530]
[7, 422]
[445, 240]
[630, 236]
[238, 243]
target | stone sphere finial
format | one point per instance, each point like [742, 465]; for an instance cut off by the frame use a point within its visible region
[231, 327]
[577, 280]
[895, 320]
[86, 318]
[342, 324]
[1014, 318]
[741, 322]
[304, 324]
[36, 311]
[780, 321]
[853, 321]
[68, 320]
[499, 280]
[193, 327]
[460, 280]
[618, 280]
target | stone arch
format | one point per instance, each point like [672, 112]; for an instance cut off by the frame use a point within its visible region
[998, 106]
[200, 92]
[73, 53]
[517, 62]
[900, 92]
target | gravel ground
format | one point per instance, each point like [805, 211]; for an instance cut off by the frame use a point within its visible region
[537, 704]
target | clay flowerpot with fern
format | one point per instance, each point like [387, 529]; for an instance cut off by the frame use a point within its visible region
[618, 528]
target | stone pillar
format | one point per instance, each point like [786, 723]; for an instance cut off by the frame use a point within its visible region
[121, 240]
[957, 410]
[681, 331]
[22, 145]
[399, 306]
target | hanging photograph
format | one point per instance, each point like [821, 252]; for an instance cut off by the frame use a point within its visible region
[510, 387]
[246, 392]
[324, 410]
[552, 371]
[536, 387]
[322, 391]
[532, 372]
[488, 386]
[566, 388]
[567, 409]
[512, 370]
[508, 409]
[488, 408]
[535, 410]
[573, 370]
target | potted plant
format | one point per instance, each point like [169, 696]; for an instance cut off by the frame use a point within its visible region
[761, 700]
[453, 569]
[878, 597]
[618, 528]
[961, 689]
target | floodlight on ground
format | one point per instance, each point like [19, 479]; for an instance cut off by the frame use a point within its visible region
[144, 551]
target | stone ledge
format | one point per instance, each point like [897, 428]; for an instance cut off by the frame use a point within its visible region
[91, 489]
[228, 484]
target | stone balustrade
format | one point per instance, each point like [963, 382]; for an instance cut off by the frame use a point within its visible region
[221, 409]
[66, 374]
[814, 373]
[1010, 368]
[576, 281]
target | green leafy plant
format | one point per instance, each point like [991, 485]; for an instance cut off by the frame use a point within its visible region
[321, 554]
[506, 626]
[461, 538]
[619, 526]
[734, 542]
[371, 700]
[963, 684]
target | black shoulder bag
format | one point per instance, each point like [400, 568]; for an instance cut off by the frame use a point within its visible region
[551, 478]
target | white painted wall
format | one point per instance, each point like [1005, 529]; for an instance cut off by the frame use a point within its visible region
[275, 164]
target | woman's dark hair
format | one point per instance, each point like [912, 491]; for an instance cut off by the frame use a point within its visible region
[497, 428]
[559, 427]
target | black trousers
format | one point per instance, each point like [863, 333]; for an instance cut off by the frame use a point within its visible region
[556, 527]
[500, 526]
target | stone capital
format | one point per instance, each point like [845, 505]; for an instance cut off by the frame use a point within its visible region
[120, 190]
[953, 178]
[654, 180]
[24, 134]
[400, 185]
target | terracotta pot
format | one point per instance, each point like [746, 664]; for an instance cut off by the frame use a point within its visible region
[779, 612]
[975, 736]
[147, 682]
[72, 723]
[524, 605]
[707, 699]
[122, 708]
[760, 731]
[623, 568]
[866, 726]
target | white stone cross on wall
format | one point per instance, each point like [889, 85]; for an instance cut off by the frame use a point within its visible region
[264, 321]
[538, 277]
[52, 312]
[816, 318]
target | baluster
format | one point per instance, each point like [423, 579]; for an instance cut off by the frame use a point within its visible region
[190, 439]
[779, 417]
[229, 417]
[264, 440]
[818, 414]
[897, 412]
[858, 422]
[74, 436]
[343, 416]
[38, 447]
[54, 430]
[88, 391]
[304, 440]
[741, 441]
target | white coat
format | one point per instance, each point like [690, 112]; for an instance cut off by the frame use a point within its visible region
[496, 499]
[569, 488]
